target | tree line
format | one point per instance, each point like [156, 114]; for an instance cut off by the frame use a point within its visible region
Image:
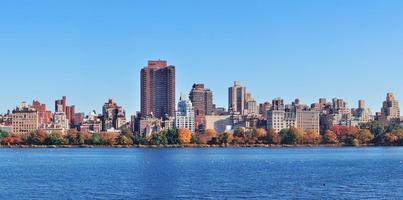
[371, 133]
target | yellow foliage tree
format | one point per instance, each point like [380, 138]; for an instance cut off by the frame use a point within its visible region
[184, 136]
[210, 133]
[312, 137]
[261, 133]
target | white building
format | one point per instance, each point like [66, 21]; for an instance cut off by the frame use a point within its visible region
[280, 119]
[220, 123]
[185, 115]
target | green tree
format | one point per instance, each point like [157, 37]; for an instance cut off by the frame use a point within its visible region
[194, 139]
[292, 136]
[55, 138]
[96, 139]
[376, 129]
[172, 136]
[158, 139]
[138, 139]
[3, 135]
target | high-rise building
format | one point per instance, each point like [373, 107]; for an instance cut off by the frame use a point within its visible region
[390, 108]
[339, 103]
[45, 117]
[185, 117]
[236, 98]
[78, 119]
[113, 116]
[202, 100]
[158, 89]
[278, 104]
[362, 114]
[70, 112]
[24, 119]
[263, 108]
[61, 106]
[60, 122]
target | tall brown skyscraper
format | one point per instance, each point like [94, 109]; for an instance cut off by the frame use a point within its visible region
[158, 89]
[202, 100]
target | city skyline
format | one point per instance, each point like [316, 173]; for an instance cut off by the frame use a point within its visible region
[276, 49]
[98, 108]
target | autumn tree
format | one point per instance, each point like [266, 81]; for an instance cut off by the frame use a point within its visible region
[37, 137]
[330, 137]
[207, 136]
[108, 138]
[226, 138]
[391, 138]
[394, 137]
[346, 134]
[272, 137]
[124, 140]
[12, 139]
[71, 136]
[312, 137]
[184, 136]
[260, 134]
[365, 136]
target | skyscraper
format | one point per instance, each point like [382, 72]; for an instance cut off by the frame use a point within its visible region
[236, 98]
[113, 115]
[61, 107]
[45, 116]
[185, 117]
[390, 108]
[158, 89]
[202, 100]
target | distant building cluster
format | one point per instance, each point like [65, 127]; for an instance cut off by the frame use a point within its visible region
[195, 111]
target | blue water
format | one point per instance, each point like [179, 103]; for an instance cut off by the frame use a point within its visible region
[256, 173]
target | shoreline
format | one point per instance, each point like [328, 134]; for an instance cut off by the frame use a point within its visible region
[195, 146]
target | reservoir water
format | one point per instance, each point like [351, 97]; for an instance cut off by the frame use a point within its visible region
[213, 173]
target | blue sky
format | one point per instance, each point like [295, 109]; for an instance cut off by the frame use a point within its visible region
[92, 50]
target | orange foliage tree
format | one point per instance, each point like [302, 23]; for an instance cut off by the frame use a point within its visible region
[260, 133]
[365, 136]
[312, 137]
[346, 134]
[109, 138]
[330, 137]
[184, 136]
[207, 136]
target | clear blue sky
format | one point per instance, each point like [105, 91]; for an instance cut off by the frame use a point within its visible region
[90, 50]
